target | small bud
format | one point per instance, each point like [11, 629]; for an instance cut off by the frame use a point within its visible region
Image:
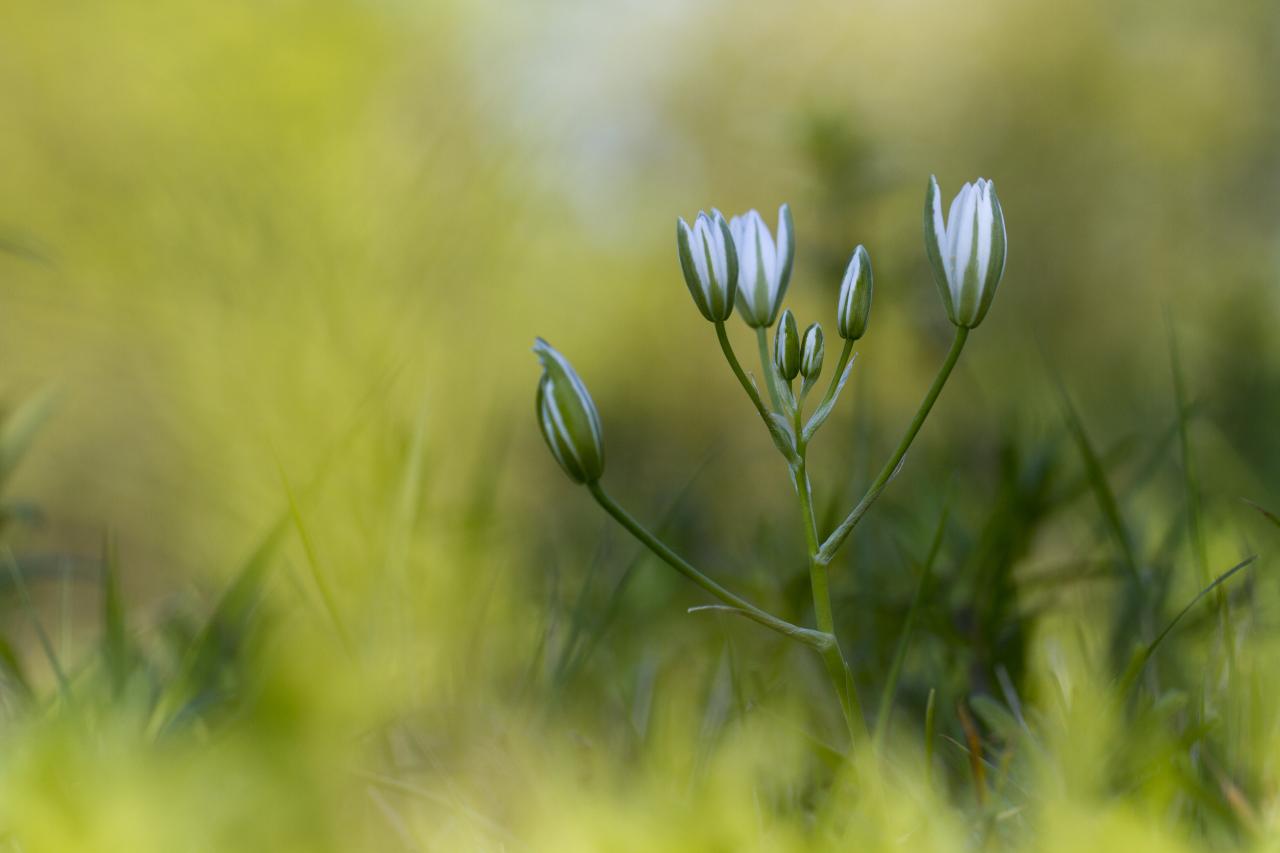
[764, 265]
[786, 346]
[568, 417]
[853, 309]
[710, 264]
[811, 352]
[968, 251]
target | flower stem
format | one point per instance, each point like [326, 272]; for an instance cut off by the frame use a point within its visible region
[837, 537]
[837, 669]
[817, 640]
[766, 364]
[747, 384]
[845, 353]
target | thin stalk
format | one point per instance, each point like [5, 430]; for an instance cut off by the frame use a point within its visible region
[837, 537]
[766, 365]
[816, 640]
[904, 639]
[845, 353]
[837, 669]
[1191, 485]
[747, 384]
[930, 710]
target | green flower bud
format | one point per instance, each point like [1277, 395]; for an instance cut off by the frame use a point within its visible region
[764, 265]
[853, 309]
[710, 264]
[811, 352]
[967, 251]
[568, 417]
[786, 346]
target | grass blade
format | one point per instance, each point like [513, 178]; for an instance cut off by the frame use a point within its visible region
[1102, 491]
[45, 643]
[904, 639]
[313, 563]
[115, 649]
[1140, 660]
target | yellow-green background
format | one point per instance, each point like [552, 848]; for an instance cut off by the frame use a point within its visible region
[263, 247]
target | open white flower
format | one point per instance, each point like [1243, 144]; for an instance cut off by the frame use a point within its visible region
[967, 251]
[764, 265]
[710, 264]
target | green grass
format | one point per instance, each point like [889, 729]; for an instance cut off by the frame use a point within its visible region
[624, 722]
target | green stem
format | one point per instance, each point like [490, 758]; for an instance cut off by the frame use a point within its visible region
[904, 639]
[845, 354]
[837, 669]
[837, 537]
[747, 384]
[766, 364]
[817, 640]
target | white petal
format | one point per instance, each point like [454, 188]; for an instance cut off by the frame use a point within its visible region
[960, 232]
[782, 240]
[986, 218]
[939, 227]
[768, 256]
[698, 248]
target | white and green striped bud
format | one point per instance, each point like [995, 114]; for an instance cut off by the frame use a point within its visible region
[786, 346]
[853, 309]
[967, 251]
[568, 417]
[764, 265]
[811, 351]
[710, 264]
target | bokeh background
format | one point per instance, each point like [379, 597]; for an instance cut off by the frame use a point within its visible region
[283, 263]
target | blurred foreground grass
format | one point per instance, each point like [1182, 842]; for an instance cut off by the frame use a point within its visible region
[280, 265]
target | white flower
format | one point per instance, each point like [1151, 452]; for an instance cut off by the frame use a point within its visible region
[967, 251]
[710, 264]
[764, 265]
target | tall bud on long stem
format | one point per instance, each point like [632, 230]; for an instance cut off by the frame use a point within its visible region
[967, 251]
[567, 417]
[853, 310]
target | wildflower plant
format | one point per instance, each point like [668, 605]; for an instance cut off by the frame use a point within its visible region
[739, 260]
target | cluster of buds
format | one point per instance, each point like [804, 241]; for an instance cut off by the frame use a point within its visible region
[739, 262]
[795, 354]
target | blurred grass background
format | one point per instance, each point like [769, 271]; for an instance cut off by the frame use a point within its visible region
[282, 263]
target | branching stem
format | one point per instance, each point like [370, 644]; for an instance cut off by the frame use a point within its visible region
[817, 640]
[837, 537]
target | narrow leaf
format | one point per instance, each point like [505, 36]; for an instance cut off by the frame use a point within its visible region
[820, 415]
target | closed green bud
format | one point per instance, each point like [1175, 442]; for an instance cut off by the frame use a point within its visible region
[811, 351]
[567, 417]
[710, 264]
[786, 346]
[967, 251]
[854, 307]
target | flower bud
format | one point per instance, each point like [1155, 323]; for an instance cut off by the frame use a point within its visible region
[967, 251]
[811, 352]
[853, 309]
[786, 346]
[764, 265]
[710, 264]
[568, 417]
